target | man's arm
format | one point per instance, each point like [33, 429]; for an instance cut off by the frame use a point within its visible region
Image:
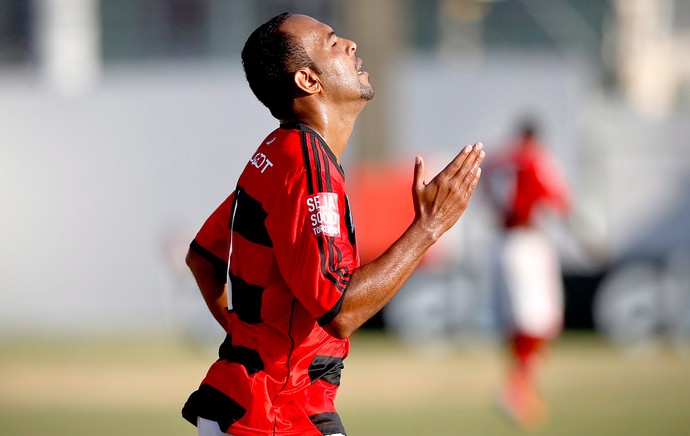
[438, 205]
[212, 289]
[208, 259]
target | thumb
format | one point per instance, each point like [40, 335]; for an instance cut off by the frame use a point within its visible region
[418, 175]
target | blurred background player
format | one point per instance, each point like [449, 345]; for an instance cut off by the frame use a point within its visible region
[525, 183]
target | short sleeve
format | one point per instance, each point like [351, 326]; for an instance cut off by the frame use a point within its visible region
[312, 247]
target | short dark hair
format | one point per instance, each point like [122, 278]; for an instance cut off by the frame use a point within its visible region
[270, 57]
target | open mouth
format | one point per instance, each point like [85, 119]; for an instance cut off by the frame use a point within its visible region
[358, 66]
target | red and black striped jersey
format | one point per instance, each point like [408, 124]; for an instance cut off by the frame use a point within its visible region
[288, 232]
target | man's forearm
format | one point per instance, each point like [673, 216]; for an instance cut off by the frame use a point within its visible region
[212, 290]
[374, 284]
[438, 206]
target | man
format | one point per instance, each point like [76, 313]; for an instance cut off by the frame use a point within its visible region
[529, 273]
[285, 238]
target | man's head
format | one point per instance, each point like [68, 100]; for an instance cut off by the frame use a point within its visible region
[292, 56]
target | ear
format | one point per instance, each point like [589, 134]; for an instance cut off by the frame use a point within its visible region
[307, 80]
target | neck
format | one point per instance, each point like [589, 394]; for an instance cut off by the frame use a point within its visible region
[334, 126]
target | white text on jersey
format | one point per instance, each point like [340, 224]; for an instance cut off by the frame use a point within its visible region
[325, 216]
[261, 162]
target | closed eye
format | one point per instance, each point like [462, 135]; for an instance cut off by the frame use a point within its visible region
[331, 36]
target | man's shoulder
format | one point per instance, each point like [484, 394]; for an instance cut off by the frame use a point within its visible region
[284, 143]
[278, 158]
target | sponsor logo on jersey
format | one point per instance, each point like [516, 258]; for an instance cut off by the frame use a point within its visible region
[261, 162]
[324, 215]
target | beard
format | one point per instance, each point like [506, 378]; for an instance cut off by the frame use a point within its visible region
[366, 92]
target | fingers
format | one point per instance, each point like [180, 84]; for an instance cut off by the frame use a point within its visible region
[465, 177]
[470, 171]
[443, 200]
[463, 163]
[456, 164]
[418, 183]
[471, 161]
[470, 183]
[461, 173]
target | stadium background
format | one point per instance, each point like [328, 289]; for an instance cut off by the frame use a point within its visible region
[125, 122]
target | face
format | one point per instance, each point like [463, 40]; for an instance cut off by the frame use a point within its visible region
[341, 71]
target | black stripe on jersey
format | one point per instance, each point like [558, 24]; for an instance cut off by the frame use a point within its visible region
[220, 267]
[317, 162]
[307, 162]
[335, 310]
[308, 130]
[325, 147]
[246, 299]
[328, 423]
[250, 219]
[328, 270]
[333, 263]
[349, 223]
[210, 403]
[327, 168]
[250, 359]
[326, 368]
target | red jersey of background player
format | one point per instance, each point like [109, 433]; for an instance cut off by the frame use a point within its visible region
[537, 181]
[288, 232]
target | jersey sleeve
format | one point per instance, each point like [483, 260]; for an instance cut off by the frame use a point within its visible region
[312, 248]
[213, 239]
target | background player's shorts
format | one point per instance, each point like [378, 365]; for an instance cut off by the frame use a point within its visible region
[533, 283]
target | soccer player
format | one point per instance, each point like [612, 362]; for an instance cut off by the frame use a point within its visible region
[529, 272]
[285, 242]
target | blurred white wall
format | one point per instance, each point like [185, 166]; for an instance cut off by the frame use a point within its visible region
[96, 188]
[92, 187]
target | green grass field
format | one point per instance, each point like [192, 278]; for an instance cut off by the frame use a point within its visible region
[137, 388]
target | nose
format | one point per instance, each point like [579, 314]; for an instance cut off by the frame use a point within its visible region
[353, 47]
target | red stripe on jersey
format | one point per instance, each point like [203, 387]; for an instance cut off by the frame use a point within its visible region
[252, 260]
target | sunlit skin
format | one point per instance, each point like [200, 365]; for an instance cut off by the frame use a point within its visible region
[330, 102]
